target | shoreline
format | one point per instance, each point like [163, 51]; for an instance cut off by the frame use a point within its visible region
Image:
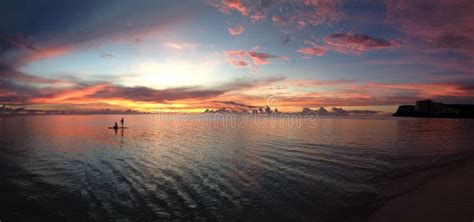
[448, 196]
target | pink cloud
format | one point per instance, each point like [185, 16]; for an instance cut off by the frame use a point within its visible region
[257, 17]
[104, 93]
[236, 5]
[280, 20]
[441, 24]
[237, 63]
[251, 59]
[349, 43]
[297, 12]
[352, 93]
[314, 50]
[237, 58]
[347, 93]
[260, 58]
[312, 12]
[226, 6]
[330, 93]
[236, 30]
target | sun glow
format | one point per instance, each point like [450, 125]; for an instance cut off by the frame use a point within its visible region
[170, 74]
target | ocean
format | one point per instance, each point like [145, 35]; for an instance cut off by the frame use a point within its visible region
[218, 167]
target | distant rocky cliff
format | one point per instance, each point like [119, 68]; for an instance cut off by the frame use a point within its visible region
[428, 108]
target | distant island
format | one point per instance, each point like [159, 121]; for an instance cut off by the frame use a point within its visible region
[428, 108]
[229, 107]
[267, 110]
[14, 111]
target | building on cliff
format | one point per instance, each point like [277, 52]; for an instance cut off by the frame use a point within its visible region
[428, 108]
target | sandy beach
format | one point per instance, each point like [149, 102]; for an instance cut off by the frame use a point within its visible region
[447, 197]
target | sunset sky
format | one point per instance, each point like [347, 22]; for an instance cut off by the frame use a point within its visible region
[183, 56]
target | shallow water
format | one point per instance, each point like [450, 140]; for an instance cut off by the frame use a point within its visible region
[216, 167]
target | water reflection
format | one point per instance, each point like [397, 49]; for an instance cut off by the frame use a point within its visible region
[203, 168]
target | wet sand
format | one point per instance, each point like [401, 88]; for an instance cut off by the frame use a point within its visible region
[447, 197]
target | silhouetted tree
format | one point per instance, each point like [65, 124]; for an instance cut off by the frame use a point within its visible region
[322, 111]
[268, 110]
[306, 110]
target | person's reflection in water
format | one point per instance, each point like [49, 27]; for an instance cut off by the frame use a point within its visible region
[121, 138]
[116, 129]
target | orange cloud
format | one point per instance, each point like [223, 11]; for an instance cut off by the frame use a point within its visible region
[68, 96]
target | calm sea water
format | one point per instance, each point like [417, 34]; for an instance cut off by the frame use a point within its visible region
[217, 167]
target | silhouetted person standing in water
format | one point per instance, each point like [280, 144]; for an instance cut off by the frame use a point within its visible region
[116, 125]
[121, 121]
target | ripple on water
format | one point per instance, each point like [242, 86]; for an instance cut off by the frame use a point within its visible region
[193, 172]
